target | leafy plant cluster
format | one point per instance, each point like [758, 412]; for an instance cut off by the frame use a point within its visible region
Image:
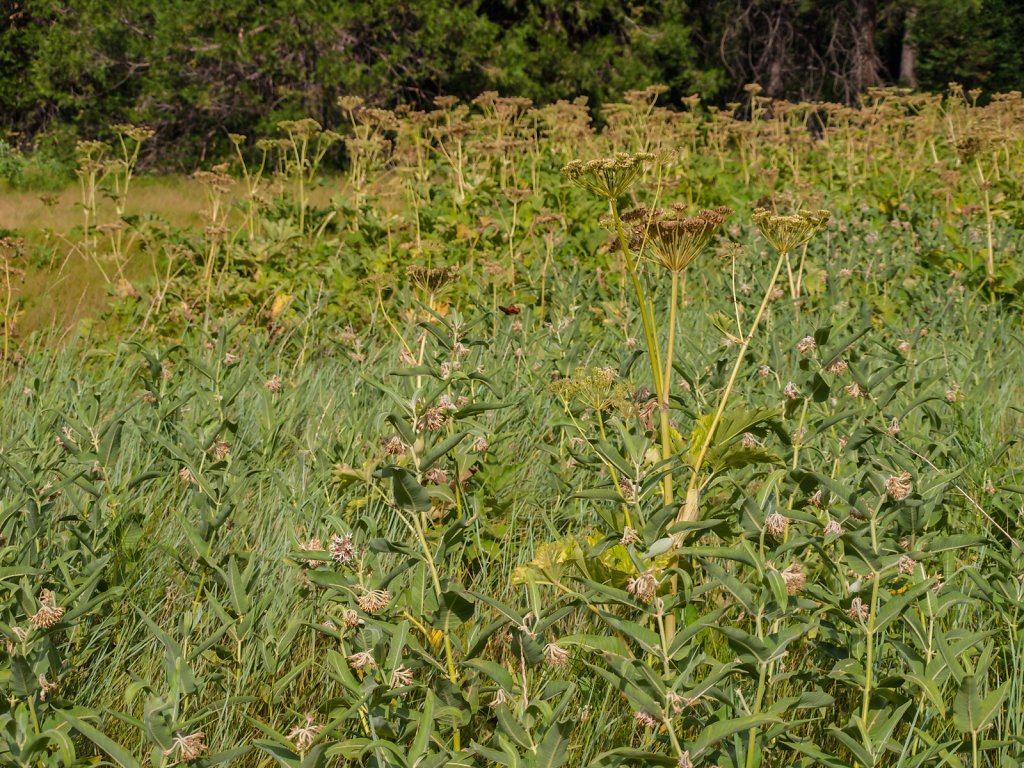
[528, 451]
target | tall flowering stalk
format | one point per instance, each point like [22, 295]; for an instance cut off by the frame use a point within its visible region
[785, 233]
[673, 240]
[609, 178]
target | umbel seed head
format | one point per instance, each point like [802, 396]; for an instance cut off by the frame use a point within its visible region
[787, 233]
[608, 177]
[677, 240]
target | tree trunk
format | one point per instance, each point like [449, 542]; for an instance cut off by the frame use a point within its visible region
[866, 62]
[908, 53]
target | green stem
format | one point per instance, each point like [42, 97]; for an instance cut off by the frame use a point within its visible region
[730, 384]
[871, 649]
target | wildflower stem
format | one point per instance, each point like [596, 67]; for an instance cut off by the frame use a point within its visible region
[666, 436]
[871, 648]
[687, 513]
[654, 353]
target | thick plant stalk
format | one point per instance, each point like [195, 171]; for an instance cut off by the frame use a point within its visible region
[660, 383]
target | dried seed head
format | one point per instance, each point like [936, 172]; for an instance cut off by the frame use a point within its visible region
[833, 528]
[806, 345]
[776, 524]
[854, 390]
[351, 619]
[436, 476]
[480, 444]
[393, 446]
[748, 440]
[794, 578]
[362, 660]
[608, 177]
[45, 686]
[837, 367]
[644, 586]
[221, 450]
[556, 655]
[374, 601]
[401, 676]
[188, 747]
[789, 232]
[898, 487]
[49, 612]
[646, 719]
[674, 239]
[433, 279]
[858, 611]
[313, 545]
[764, 371]
[790, 391]
[186, 476]
[303, 736]
[906, 565]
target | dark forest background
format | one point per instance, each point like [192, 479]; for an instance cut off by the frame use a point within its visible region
[195, 70]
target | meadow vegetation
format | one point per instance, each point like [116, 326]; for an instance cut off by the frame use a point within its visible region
[692, 441]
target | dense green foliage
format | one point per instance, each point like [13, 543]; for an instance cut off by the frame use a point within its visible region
[194, 71]
[383, 480]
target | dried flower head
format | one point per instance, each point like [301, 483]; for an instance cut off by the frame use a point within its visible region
[432, 279]
[764, 371]
[906, 565]
[787, 233]
[221, 450]
[837, 367]
[351, 618]
[644, 586]
[313, 545]
[748, 440]
[342, 549]
[608, 177]
[436, 476]
[45, 686]
[898, 487]
[806, 344]
[393, 446]
[858, 610]
[790, 391]
[49, 612]
[629, 536]
[186, 476]
[794, 578]
[374, 601]
[684, 760]
[303, 736]
[556, 655]
[480, 444]
[776, 524]
[954, 394]
[273, 383]
[854, 389]
[833, 528]
[187, 747]
[646, 719]
[401, 676]
[500, 697]
[361, 661]
[674, 239]
[894, 427]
